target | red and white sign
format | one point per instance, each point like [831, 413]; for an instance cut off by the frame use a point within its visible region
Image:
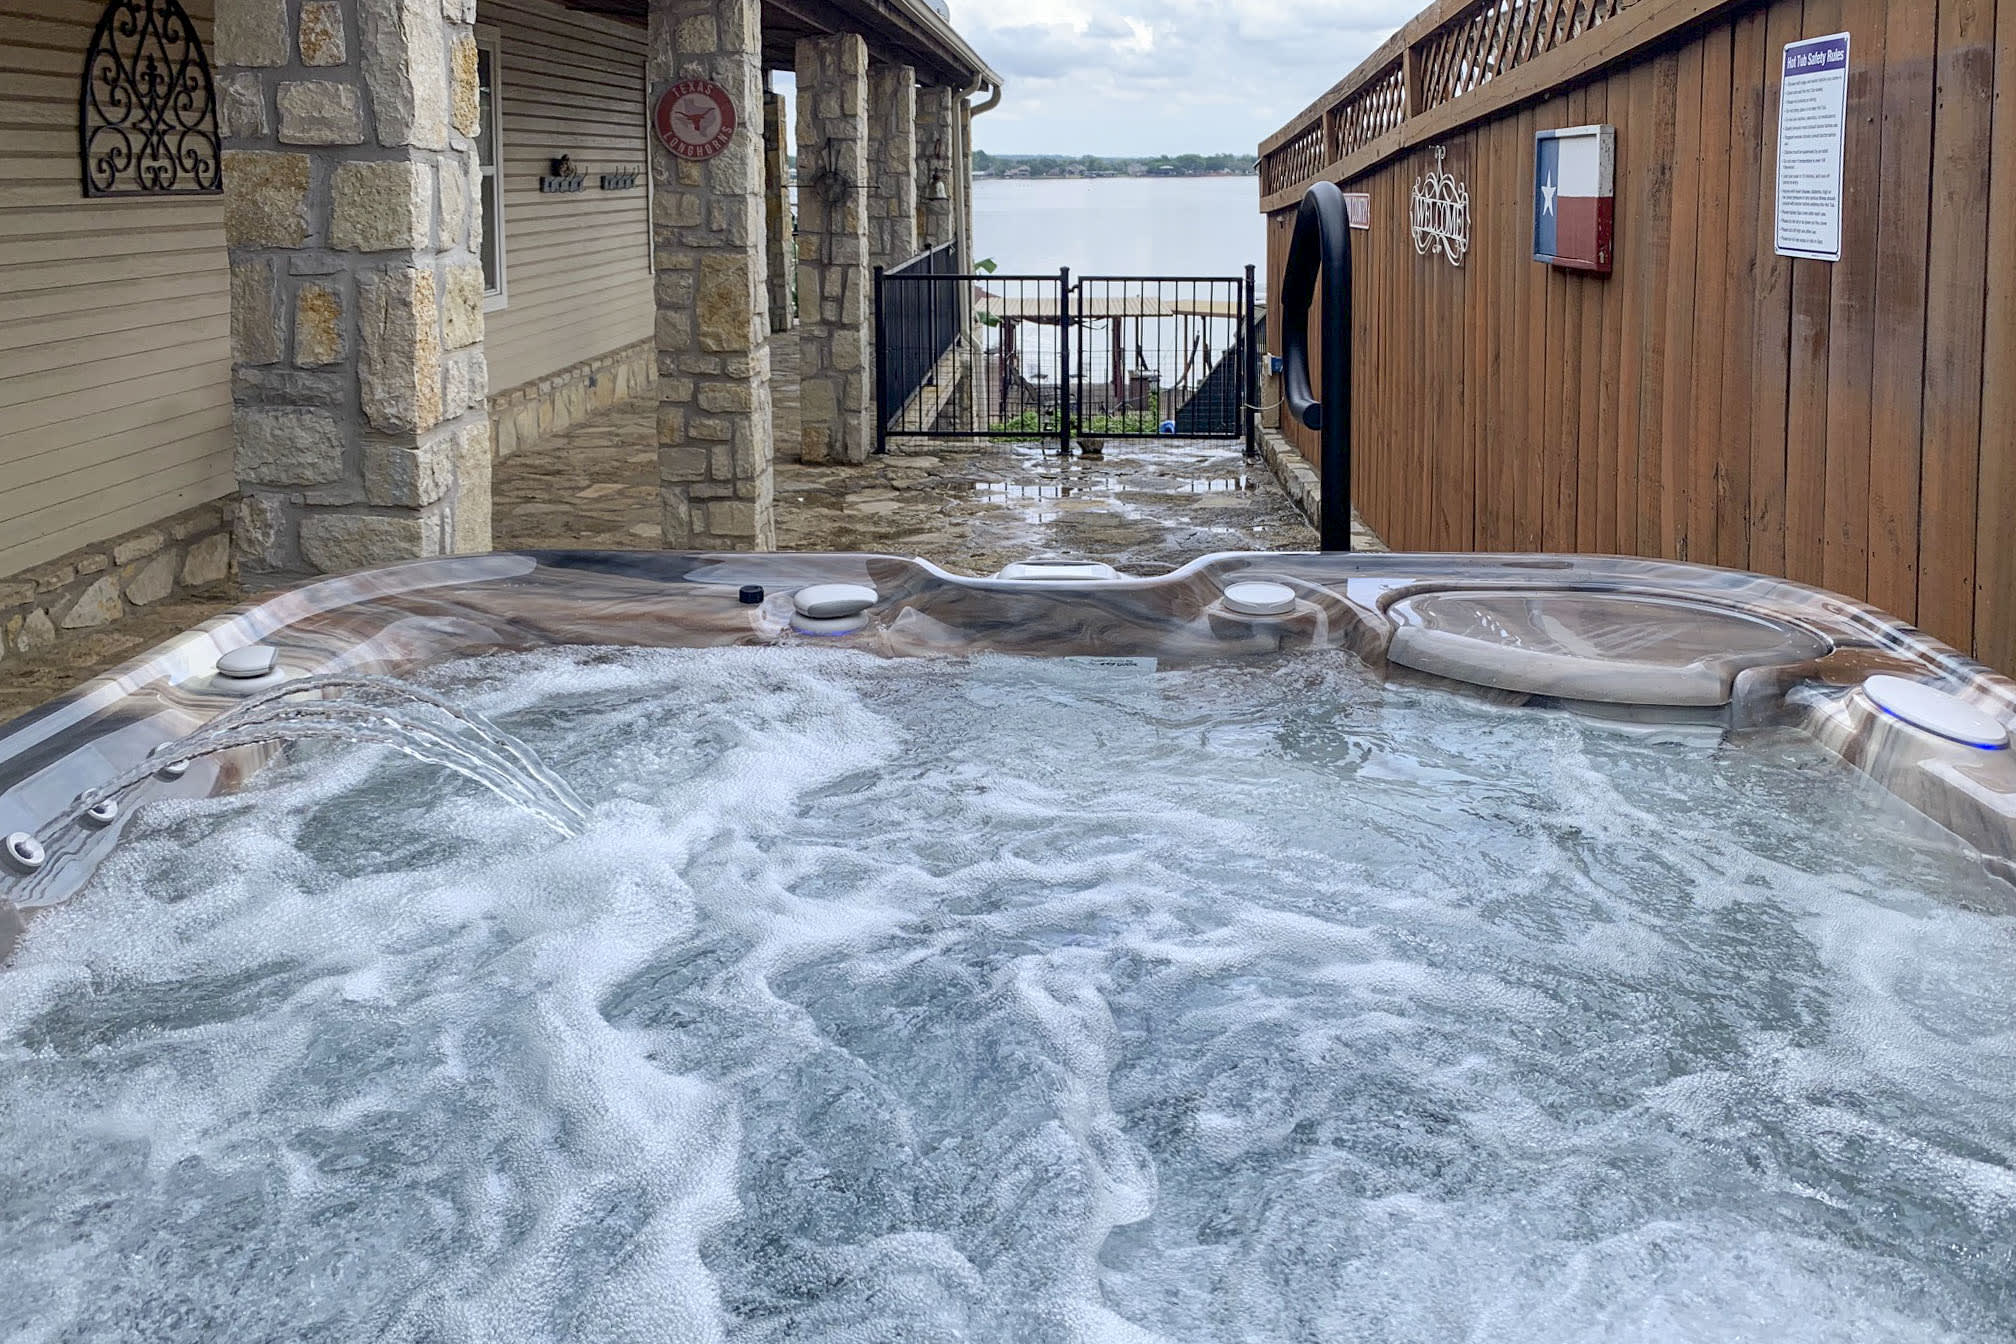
[695, 119]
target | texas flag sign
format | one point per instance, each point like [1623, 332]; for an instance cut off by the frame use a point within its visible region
[1574, 202]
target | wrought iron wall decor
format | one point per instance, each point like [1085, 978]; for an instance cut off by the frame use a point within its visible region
[147, 110]
[1441, 213]
[831, 181]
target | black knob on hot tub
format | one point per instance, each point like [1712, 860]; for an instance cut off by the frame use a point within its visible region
[751, 594]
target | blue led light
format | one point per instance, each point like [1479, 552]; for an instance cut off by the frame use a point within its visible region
[1944, 737]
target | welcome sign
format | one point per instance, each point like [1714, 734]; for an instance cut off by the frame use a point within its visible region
[1574, 197]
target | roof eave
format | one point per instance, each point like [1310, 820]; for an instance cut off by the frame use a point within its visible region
[956, 46]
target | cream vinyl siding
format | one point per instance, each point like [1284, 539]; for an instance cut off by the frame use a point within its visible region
[577, 273]
[115, 329]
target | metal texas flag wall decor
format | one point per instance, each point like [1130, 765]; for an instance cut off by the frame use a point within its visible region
[1574, 201]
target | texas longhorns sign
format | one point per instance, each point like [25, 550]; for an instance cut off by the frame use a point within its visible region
[695, 119]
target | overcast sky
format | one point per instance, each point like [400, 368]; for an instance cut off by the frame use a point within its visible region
[1162, 76]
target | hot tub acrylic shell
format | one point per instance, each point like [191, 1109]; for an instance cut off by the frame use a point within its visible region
[1642, 641]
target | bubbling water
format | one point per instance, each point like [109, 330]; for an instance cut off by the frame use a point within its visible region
[1019, 1000]
[380, 711]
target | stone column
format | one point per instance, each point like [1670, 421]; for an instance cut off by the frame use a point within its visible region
[833, 276]
[777, 213]
[960, 188]
[935, 177]
[892, 164]
[713, 327]
[358, 378]
[962, 177]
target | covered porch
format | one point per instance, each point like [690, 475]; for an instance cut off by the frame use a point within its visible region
[420, 236]
[427, 263]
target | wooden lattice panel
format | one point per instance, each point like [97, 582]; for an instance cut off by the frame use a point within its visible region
[1296, 160]
[1378, 107]
[1495, 36]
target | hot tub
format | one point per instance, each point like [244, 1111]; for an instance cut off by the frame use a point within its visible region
[1381, 947]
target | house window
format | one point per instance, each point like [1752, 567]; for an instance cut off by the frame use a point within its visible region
[488, 153]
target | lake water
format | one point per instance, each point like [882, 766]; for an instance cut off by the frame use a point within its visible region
[1145, 226]
[1121, 225]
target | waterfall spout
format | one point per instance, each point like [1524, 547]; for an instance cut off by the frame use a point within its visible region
[379, 711]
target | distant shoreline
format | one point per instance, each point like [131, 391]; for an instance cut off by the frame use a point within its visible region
[1019, 167]
[1091, 177]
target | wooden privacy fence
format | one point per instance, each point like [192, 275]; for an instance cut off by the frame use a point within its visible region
[1848, 424]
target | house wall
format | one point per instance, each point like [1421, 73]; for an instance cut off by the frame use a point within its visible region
[116, 432]
[1847, 425]
[577, 266]
[115, 359]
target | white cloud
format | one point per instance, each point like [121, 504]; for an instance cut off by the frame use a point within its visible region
[1163, 76]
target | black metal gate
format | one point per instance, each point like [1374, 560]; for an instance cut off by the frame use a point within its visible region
[963, 355]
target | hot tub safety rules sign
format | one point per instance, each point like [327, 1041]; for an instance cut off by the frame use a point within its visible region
[1812, 132]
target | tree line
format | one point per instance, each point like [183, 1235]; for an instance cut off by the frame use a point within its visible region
[1094, 165]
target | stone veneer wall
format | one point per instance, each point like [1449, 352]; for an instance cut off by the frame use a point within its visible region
[936, 216]
[892, 164]
[777, 241]
[713, 329]
[962, 187]
[351, 187]
[99, 584]
[833, 276]
[520, 416]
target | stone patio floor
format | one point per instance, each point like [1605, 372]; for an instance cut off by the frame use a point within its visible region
[1144, 506]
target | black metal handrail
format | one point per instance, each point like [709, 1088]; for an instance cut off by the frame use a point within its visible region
[915, 324]
[1322, 246]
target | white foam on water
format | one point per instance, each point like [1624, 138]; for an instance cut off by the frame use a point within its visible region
[1014, 1000]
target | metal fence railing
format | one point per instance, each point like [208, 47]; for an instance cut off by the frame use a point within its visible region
[1160, 355]
[918, 319]
[1041, 357]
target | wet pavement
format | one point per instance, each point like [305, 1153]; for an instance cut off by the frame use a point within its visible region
[1144, 506]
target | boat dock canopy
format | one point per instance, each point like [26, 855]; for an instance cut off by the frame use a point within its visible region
[1043, 307]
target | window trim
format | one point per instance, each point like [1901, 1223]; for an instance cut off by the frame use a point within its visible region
[490, 39]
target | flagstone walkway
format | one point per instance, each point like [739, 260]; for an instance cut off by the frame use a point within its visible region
[1144, 506]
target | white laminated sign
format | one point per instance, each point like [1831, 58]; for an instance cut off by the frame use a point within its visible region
[1812, 133]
